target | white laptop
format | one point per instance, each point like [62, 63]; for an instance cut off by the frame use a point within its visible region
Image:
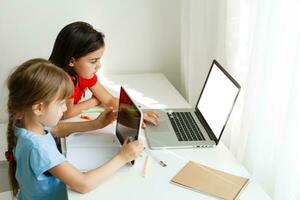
[202, 126]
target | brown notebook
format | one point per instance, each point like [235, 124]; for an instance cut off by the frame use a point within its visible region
[205, 179]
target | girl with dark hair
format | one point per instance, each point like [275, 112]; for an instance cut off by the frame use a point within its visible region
[36, 102]
[78, 49]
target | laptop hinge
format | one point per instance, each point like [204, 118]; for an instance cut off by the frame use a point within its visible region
[206, 127]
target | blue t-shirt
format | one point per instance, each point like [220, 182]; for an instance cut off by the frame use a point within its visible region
[35, 155]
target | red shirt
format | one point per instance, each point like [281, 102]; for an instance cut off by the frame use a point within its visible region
[80, 87]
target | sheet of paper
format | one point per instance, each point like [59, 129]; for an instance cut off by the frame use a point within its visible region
[92, 140]
[97, 138]
[89, 158]
[92, 149]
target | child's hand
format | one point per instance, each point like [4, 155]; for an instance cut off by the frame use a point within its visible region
[106, 118]
[151, 117]
[130, 151]
[114, 103]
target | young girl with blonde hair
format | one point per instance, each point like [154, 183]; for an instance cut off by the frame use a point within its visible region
[37, 101]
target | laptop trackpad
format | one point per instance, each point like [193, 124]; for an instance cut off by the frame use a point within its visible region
[161, 127]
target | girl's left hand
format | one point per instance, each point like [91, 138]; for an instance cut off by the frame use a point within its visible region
[151, 117]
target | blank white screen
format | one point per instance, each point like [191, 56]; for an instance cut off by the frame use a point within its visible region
[217, 100]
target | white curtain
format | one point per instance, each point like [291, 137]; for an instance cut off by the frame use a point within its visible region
[258, 42]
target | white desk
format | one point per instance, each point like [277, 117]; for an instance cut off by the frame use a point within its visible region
[154, 91]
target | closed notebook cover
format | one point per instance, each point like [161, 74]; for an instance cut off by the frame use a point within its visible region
[205, 179]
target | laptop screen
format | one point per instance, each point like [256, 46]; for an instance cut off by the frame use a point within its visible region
[217, 99]
[129, 118]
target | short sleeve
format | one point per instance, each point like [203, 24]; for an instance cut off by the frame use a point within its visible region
[45, 157]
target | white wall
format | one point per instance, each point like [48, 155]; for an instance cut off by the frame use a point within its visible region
[141, 35]
[204, 37]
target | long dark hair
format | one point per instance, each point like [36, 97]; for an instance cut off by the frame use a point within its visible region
[34, 81]
[74, 41]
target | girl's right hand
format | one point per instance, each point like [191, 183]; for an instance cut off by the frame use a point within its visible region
[130, 151]
[105, 118]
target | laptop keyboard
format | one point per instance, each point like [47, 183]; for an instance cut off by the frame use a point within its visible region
[185, 126]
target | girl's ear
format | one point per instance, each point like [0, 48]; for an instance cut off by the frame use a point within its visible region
[38, 108]
[72, 62]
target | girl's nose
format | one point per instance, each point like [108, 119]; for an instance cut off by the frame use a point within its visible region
[98, 66]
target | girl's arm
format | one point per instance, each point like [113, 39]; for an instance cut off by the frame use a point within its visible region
[76, 109]
[85, 182]
[66, 128]
[106, 99]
